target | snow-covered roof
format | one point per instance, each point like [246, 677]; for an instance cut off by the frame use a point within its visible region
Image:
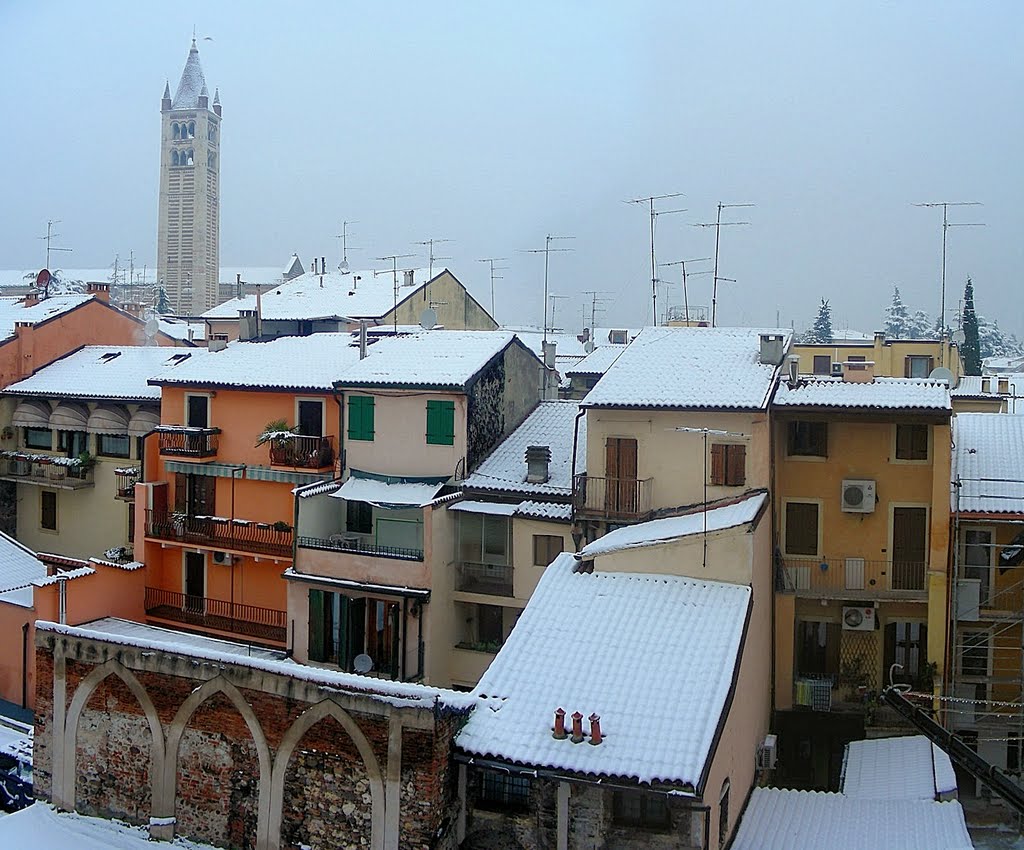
[826, 392]
[309, 363]
[568, 345]
[332, 295]
[988, 460]
[545, 510]
[441, 359]
[118, 372]
[903, 768]
[14, 310]
[550, 424]
[689, 368]
[253, 275]
[652, 655]
[130, 630]
[19, 568]
[597, 362]
[414, 494]
[777, 819]
[192, 82]
[658, 531]
[183, 329]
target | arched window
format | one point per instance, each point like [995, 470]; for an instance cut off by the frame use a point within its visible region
[191, 157]
[191, 129]
[174, 157]
[174, 130]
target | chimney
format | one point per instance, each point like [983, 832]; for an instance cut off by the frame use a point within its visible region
[859, 371]
[772, 349]
[577, 728]
[538, 459]
[549, 354]
[595, 729]
[362, 339]
[31, 299]
[246, 325]
[793, 369]
[408, 278]
[216, 345]
[559, 732]
[323, 264]
[100, 290]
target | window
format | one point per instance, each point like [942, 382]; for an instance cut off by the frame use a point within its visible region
[817, 648]
[441, 423]
[822, 364]
[545, 548]
[636, 808]
[618, 337]
[197, 411]
[113, 445]
[918, 366]
[906, 644]
[500, 790]
[48, 510]
[489, 629]
[341, 628]
[310, 417]
[723, 814]
[974, 654]
[194, 495]
[483, 539]
[360, 417]
[807, 439]
[359, 517]
[801, 528]
[728, 464]
[911, 441]
[38, 438]
[72, 443]
[131, 524]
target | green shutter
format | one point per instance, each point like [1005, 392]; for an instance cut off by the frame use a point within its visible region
[360, 417]
[316, 625]
[441, 423]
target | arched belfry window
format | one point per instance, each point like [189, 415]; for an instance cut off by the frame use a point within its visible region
[175, 132]
[174, 158]
[191, 129]
[191, 157]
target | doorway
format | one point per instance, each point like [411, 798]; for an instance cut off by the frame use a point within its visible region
[195, 582]
[909, 547]
[620, 470]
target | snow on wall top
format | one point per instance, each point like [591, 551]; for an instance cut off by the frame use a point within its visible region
[904, 768]
[191, 84]
[658, 531]
[777, 819]
[653, 655]
[550, 424]
[14, 310]
[689, 368]
[879, 394]
[988, 459]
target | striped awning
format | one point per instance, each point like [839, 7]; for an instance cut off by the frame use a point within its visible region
[109, 419]
[70, 416]
[266, 473]
[31, 413]
[217, 470]
[144, 420]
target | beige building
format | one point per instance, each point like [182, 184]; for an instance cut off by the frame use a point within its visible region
[188, 238]
[892, 358]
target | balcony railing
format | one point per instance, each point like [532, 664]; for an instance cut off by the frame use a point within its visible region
[125, 480]
[46, 471]
[844, 577]
[611, 498]
[491, 579]
[357, 545]
[302, 452]
[250, 620]
[180, 441]
[220, 533]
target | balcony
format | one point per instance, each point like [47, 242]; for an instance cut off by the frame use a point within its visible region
[266, 624]
[358, 545]
[490, 579]
[838, 577]
[125, 479]
[611, 498]
[180, 441]
[240, 535]
[46, 470]
[301, 452]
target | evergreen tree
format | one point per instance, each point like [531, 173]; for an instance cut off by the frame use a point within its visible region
[920, 326]
[897, 317]
[821, 332]
[970, 350]
[163, 304]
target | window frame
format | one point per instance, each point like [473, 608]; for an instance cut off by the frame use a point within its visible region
[481, 521]
[548, 538]
[366, 406]
[363, 511]
[503, 791]
[815, 362]
[785, 529]
[301, 400]
[911, 360]
[187, 411]
[39, 447]
[896, 443]
[67, 438]
[55, 528]
[792, 441]
[640, 816]
[100, 452]
[441, 414]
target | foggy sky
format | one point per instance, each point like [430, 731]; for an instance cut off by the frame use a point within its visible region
[494, 124]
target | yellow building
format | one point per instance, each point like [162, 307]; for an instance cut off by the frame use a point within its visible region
[892, 358]
[861, 489]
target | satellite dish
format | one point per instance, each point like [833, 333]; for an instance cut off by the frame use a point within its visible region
[43, 277]
[959, 337]
[941, 373]
[152, 328]
[343, 266]
[428, 318]
[589, 346]
[362, 663]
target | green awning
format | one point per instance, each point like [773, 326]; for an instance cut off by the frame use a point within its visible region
[266, 473]
[217, 470]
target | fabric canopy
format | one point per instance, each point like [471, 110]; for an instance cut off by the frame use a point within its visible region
[144, 420]
[109, 419]
[492, 508]
[70, 416]
[384, 495]
[32, 413]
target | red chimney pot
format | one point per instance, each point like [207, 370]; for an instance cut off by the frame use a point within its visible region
[595, 729]
[559, 732]
[577, 727]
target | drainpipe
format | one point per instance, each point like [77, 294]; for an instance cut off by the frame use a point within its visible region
[62, 595]
[24, 665]
[339, 398]
[572, 482]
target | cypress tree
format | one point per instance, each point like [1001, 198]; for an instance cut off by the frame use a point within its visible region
[970, 350]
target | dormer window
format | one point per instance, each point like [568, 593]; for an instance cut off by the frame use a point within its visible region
[618, 337]
[110, 355]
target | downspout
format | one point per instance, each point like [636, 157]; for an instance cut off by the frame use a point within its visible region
[339, 398]
[405, 635]
[62, 595]
[572, 481]
[24, 665]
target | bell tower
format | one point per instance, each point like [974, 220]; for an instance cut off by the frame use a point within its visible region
[188, 239]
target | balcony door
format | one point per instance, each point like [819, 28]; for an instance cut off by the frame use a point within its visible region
[195, 581]
[311, 418]
[194, 495]
[909, 547]
[620, 494]
[197, 411]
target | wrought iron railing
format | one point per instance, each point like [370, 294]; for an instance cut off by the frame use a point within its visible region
[219, 614]
[124, 483]
[188, 442]
[618, 498]
[357, 545]
[852, 577]
[221, 533]
[491, 579]
[46, 471]
[302, 452]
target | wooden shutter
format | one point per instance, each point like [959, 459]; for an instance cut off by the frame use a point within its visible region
[441, 423]
[735, 465]
[801, 528]
[718, 463]
[316, 625]
[180, 492]
[360, 417]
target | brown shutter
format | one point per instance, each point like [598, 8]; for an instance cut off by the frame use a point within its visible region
[180, 492]
[736, 465]
[906, 367]
[611, 458]
[717, 463]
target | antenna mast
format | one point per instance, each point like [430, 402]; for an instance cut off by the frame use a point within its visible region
[546, 251]
[649, 200]
[343, 236]
[594, 299]
[394, 276]
[718, 224]
[49, 237]
[429, 244]
[686, 299]
[494, 277]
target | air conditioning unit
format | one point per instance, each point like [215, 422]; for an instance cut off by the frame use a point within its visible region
[223, 558]
[768, 753]
[858, 619]
[858, 496]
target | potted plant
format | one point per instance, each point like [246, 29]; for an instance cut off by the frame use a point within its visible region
[282, 526]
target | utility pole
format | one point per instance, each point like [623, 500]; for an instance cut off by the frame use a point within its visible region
[394, 276]
[718, 224]
[649, 200]
[547, 251]
[494, 277]
[49, 237]
[429, 244]
[686, 299]
[343, 236]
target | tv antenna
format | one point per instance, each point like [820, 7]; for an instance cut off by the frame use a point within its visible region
[547, 250]
[494, 277]
[946, 224]
[649, 200]
[429, 245]
[595, 298]
[49, 237]
[554, 299]
[718, 224]
[343, 236]
[682, 265]
[394, 274]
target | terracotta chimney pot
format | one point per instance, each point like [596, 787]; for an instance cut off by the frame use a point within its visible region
[559, 732]
[595, 729]
[577, 727]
